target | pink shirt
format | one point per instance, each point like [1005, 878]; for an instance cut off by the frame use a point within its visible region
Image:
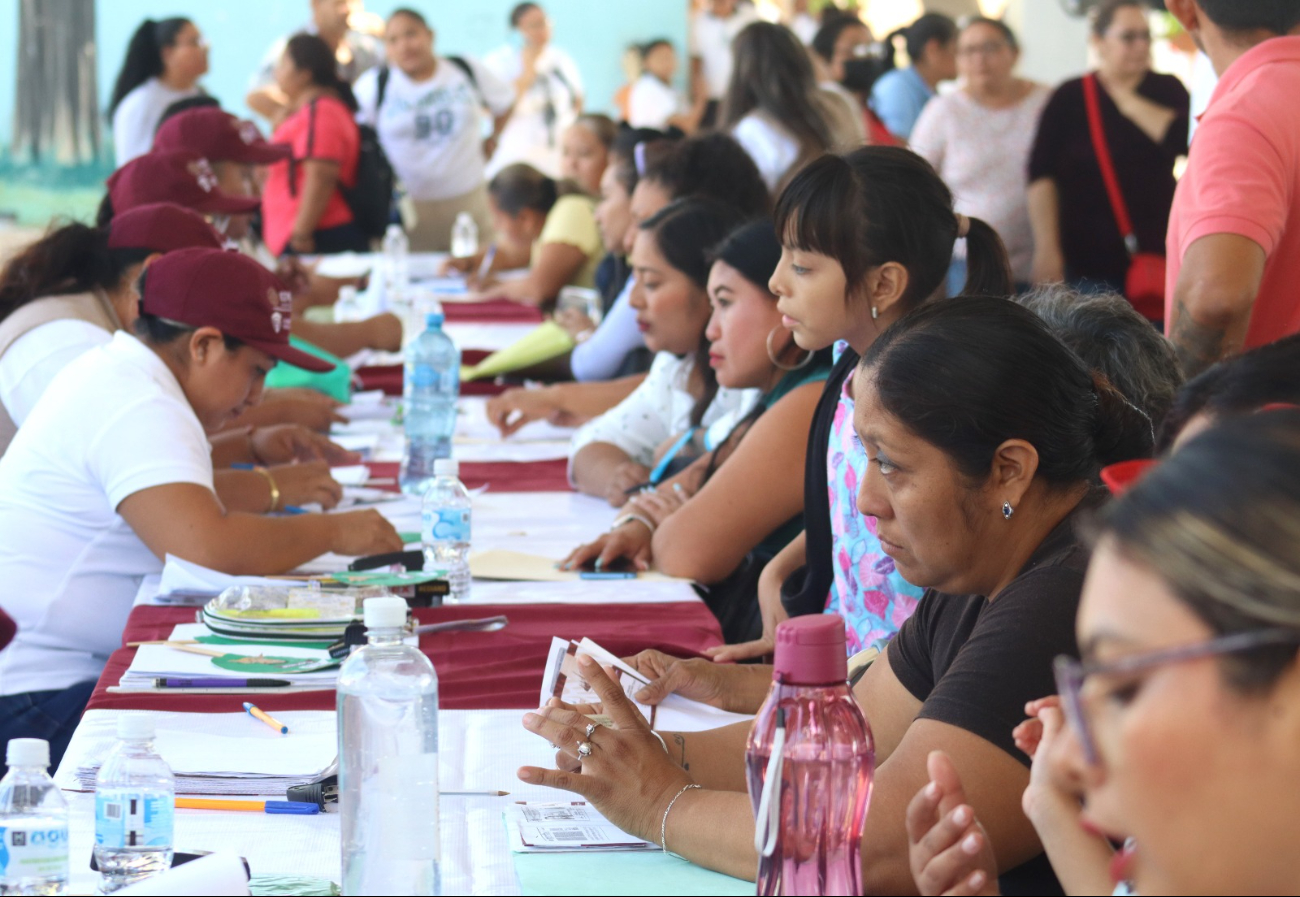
[333, 138]
[1243, 178]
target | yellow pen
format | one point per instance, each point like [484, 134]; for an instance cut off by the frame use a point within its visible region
[265, 717]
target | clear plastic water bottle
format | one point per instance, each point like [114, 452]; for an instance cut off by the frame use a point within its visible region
[430, 389]
[810, 762]
[446, 527]
[464, 237]
[388, 761]
[33, 823]
[395, 269]
[135, 800]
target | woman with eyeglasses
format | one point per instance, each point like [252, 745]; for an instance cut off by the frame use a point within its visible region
[978, 139]
[1144, 119]
[164, 62]
[1178, 730]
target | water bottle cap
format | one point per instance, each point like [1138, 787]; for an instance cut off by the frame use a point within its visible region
[392, 229]
[434, 319]
[28, 752]
[135, 727]
[811, 650]
[446, 467]
[385, 612]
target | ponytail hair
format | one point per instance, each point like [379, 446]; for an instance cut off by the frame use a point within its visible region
[970, 373]
[931, 26]
[883, 204]
[312, 55]
[685, 231]
[74, 258]
[144, 56]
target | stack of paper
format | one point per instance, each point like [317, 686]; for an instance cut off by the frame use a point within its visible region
[218, 753]
[559, 827]
[247, 660]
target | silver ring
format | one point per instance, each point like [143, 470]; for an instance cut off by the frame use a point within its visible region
[584, 749]
[591, 728]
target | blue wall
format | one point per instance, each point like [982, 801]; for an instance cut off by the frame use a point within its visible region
[595, 32]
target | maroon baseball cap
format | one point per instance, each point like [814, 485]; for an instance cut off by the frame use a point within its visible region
[161, 227]
[228, 291]
[183, 178]
[217, 135]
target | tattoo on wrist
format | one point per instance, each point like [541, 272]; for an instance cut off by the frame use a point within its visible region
[1196, 345]
[680, 741]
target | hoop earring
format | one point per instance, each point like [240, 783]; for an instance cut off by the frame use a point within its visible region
[771, 356]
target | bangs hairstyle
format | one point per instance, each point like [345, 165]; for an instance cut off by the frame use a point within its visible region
[880, 204]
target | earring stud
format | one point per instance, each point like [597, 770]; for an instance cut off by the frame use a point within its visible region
[1007, 510]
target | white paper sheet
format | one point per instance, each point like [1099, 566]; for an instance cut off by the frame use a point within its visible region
[181, 575]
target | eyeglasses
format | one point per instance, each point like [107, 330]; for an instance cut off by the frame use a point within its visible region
[1071, 674]
[1133, 37]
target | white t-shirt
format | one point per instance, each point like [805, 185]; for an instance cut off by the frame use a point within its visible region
[660, 408]
[36, 357]
[541, 113]
[113, 423]
[804, 27]
[600, 357]
[710, 42]
[432, 130]
[769, 145]
[651, 103]
[136, 118]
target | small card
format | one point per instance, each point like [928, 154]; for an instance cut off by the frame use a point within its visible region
[562, 679]
[561, 827]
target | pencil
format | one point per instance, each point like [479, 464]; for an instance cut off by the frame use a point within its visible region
[265, 717]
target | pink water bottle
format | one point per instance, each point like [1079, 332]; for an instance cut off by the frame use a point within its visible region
[810, 761]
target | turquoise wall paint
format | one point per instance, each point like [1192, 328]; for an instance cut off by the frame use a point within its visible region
[595, 32]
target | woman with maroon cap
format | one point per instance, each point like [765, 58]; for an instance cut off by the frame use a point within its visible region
[68, 292]
[112, 472]
[234, 148]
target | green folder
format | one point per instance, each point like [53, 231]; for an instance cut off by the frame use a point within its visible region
[337, 384]
[548, 341]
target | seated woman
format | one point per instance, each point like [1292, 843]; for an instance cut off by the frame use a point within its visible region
[303, 207]
[654, 174]
[984, 435]
[83, 519]
[234, 148]
[539, 225]
[1214, 637]
[679, 410]
[708, 524]
[70, 291]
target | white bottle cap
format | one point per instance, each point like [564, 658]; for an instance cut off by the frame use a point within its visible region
[394, 228]
[135, 727]
[385, 612]
[446, 467]
[28, 752]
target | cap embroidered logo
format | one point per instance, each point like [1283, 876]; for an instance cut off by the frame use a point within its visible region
[247, 131]
[203, 174]
[282, 309]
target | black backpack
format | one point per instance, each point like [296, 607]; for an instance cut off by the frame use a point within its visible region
[371, 195]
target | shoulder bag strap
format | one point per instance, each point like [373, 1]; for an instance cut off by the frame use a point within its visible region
[1092, 98]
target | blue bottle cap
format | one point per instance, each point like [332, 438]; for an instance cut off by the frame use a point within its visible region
[434, 319]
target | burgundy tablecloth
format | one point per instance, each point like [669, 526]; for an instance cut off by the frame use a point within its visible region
[476, 670]
[389, 377]
[491, 311]
[500, 476]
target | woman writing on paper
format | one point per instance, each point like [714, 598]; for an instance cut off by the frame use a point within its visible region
[708, 524]
[82, 520]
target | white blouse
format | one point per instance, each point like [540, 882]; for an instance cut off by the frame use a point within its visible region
[659, 409]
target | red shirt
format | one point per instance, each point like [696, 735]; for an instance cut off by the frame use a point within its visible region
[333, 136]
[1243, 178]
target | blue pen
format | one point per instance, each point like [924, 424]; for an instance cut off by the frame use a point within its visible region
[243, 465]
[294, 509]
[601, 575]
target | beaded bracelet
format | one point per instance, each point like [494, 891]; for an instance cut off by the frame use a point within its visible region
[663, 825]
[629, 517]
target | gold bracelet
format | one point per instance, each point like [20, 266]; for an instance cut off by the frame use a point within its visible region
[275, 490]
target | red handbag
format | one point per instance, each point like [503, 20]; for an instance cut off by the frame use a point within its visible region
[1145, 285]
